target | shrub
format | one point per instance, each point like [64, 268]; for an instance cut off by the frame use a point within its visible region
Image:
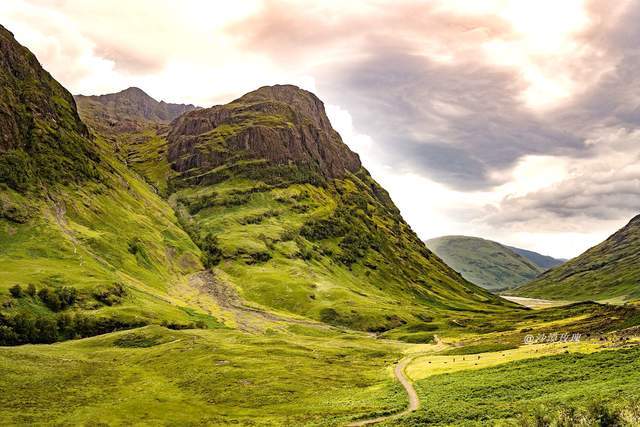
[259, 257]
[31, 290]
[50, 299]
[111, 295]
[59, 298]
[16, 291]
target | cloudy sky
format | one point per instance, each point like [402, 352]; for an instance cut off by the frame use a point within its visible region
[514, 120]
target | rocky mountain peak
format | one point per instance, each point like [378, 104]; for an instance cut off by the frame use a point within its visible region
[128, 110]
[282, 126]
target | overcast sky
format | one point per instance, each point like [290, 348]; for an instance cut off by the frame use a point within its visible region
[513, 120]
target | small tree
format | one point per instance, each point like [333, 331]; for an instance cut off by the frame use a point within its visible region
[211, 252]
[16, 291]
[31, 290]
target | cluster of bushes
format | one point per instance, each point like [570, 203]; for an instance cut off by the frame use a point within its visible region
[259, 257]
[337, 225]
[354, 247]
[285, 174]
[27, 328]
[195, 205]
[111, 295]
[55, 299]
[258, 218]
[198, 324]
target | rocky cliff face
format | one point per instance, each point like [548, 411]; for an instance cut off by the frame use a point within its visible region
[128, 111]
[42, 138]
[279, 125]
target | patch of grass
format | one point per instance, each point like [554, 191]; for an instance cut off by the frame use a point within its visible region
[199, 377]
[505, 391]
[480, 348]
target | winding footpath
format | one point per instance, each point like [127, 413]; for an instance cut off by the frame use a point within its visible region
[414, 401]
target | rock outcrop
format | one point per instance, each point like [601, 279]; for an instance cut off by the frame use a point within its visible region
[281, 125]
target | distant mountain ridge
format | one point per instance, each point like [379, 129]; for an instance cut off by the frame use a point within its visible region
[486, 263]
[610, 270]
[543, 261]
[128, 110]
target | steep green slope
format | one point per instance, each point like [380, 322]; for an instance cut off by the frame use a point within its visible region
[85, 245]
[287, 214]
[608, 271]
[543, 261]
[483, 262]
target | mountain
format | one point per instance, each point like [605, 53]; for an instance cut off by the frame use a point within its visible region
[291, 218]
[610, 270]
[543, 261]
[128, 110]
[42, 139]
[246, 215]
[484, 262]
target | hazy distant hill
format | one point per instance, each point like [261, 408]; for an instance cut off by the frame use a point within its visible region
[484, 262]
[543, 261]
[608, 270]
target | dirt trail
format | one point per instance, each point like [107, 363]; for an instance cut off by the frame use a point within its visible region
[228, 299]
[414, 401]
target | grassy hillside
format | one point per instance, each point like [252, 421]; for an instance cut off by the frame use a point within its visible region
[86, 246]
[483, 262]
[267, 196]
[608, 271]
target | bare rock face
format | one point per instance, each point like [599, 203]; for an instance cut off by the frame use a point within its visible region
[279, 125]
[30, 98]
[129, 110]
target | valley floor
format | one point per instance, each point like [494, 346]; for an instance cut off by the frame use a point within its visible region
[306, 375]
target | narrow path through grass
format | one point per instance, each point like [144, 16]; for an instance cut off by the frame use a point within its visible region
[414, 401]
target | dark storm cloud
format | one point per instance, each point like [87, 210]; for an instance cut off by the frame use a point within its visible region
[453, 123]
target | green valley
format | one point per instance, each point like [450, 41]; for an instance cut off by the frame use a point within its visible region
[165, 264]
